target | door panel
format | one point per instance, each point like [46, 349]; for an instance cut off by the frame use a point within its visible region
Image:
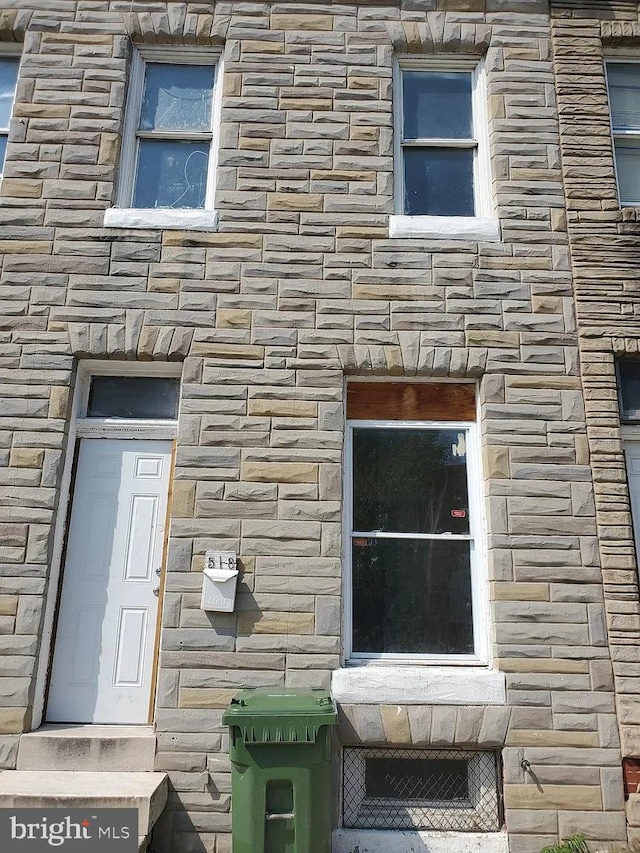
[132, 634]
[103, 654]
[140, 537]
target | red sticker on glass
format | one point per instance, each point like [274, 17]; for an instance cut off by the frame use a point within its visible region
[360, 543]
[459, 513]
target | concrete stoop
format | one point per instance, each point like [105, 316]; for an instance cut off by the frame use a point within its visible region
[85, 767]
[71, 789]
[96, 748]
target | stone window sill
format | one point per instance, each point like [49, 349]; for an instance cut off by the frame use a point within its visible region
[418, 685]
[445, 228]
[182, 220]
[396, 841]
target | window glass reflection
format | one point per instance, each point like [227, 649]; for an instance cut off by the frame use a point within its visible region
[177, 97]
[171, 174]
[412, 596]
[410, 481]
[133, 397]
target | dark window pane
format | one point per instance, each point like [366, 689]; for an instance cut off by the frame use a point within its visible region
[3, 151]
[438, 181]
[133, 397]
[8, 79]
[177, 97]
[417, 779]
[412, 596]
[628, 169]
[629, 372]
[436, 105]
[624, 94]
[171, 174]
[410, 481]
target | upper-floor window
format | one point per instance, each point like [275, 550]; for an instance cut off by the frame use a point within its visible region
[624, 100]
[413, 515]
[8, 80]
[629, 390]
[438, 143]
[442, 171]
[167, 159]
[173, 135]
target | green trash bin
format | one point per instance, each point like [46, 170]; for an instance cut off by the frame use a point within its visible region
[280, 752]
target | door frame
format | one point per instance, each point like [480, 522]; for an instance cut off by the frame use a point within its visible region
[83, 427]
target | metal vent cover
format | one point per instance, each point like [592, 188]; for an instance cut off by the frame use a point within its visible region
[408, 789]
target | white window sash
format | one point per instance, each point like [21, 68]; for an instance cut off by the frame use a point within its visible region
[622, 134]
[438, 142]
[381, 534]
[483, 203]
[9, 50]
[475, 537]
[131, 134]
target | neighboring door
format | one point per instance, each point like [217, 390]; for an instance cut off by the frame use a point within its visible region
[105, 638]
[632, 453]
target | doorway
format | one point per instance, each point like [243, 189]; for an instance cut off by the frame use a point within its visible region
[103, 662]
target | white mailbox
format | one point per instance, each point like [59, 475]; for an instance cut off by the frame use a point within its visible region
[219, 581]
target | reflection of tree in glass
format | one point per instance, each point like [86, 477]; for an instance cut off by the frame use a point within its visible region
[408, 481]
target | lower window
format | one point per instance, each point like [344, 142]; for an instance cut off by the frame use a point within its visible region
[409, 789]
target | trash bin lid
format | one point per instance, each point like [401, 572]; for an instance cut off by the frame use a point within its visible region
[280, 714]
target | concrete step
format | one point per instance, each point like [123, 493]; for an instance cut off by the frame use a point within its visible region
[88, 748]
[68, 789]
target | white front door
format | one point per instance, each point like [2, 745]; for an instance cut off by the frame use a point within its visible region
[105, 638]
[632, 454]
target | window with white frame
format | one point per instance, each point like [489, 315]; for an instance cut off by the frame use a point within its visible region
[441, 140]
[405, 789]
[623, 79]
[413, 516]
[167, 159]
[8, 80]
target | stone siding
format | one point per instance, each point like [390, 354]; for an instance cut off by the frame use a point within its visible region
[603, 240]
[300, 288]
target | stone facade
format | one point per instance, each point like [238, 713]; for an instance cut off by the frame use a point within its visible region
[300, 288]
[604, 250]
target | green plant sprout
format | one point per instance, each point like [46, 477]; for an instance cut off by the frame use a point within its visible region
[577, 844]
